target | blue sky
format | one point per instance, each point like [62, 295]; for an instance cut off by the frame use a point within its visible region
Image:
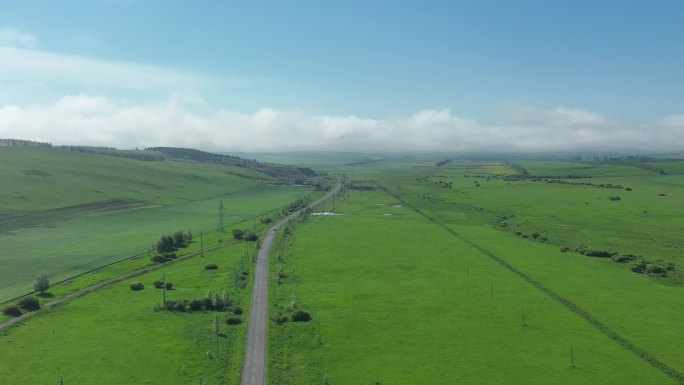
[444, 75]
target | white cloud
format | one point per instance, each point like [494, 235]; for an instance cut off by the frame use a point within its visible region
[24, 65]
[673, 122]
[10, 37]
[97, 120]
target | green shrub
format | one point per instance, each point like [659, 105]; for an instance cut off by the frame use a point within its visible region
[196, 304]
[29, 303]
[233, 320]
[656, 270]
[159, 259]
[279, 318]
[211, 266]
[614, 198]
[250, 236]
[169, 285]
[158, 284]
[237, 310]
[180, 305]
[619, 258]
[137, 286]
[301, 316]
[639, 267]
[598, 253]
[564, 249]
[11, 310]
[238, 234]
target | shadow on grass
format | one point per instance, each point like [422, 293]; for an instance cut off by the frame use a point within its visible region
[45, 295]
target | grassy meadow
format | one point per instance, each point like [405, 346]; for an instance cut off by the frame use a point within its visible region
[433, 271]
[67, 212]
[115, 335]
[424, 283]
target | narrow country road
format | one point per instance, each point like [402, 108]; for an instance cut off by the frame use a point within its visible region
[253, 369]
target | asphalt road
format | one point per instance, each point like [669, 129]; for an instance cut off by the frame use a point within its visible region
[254, 367]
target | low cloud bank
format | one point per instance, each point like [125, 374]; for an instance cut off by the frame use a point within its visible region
[102, 121]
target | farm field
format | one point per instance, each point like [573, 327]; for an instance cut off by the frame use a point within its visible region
[134, 203]
[466, 271]
[405, 296]
[115, 335]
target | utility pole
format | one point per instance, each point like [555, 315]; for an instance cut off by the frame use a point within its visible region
[221, 216]
[201, 244]
[164, 291]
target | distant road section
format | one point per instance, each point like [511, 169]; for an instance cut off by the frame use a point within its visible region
[254, 367]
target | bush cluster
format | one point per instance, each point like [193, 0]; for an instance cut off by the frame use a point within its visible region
[212, 301]
[658, 268]
[245, 235]
[159, 284]
[620, 258]
[279, 318]
[233, 320]
[297, 316]
[11, 310]
[210, 266]
[599, 253]
[137, 286]
[164, 257]
[170, 242]
[29, 303]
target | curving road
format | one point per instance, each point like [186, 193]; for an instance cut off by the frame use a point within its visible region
[253, 369]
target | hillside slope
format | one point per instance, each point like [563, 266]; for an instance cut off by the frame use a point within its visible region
[67, 212]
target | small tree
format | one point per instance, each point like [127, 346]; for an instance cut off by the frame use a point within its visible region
[29, 303]
[41, 283]
[238, 234]
[12, 310]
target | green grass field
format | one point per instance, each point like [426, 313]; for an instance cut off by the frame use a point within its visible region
[114, 335]
[66, 212]
[397, 298]
[467, 272]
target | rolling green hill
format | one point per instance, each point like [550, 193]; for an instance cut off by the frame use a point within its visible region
[67, 212]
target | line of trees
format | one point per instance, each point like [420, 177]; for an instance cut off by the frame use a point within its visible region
[22, 143]
[143, 155]
[171, 242]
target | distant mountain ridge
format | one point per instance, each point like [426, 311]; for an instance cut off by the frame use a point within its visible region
[275, 170]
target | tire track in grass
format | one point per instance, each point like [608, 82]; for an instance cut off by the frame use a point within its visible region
[600, 326]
